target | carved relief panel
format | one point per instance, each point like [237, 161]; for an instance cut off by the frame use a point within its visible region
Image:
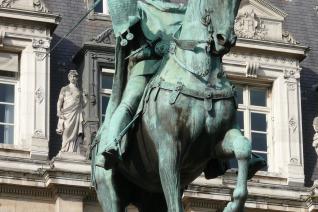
[260, 20]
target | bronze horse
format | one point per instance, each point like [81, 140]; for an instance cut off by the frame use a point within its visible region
[188, 119]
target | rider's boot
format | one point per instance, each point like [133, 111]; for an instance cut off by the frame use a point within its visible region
[120, 119]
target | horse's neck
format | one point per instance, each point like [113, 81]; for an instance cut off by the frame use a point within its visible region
[193, 29]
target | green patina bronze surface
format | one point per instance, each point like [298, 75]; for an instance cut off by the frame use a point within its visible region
[169, 73]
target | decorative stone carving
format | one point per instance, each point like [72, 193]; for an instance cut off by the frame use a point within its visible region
[39, 6]
[7, 3]
[315, 143]
[107, 37]
[288, 74]
[294, 160]
[39, 95]
[248, 25]
[40, 44]
[292, 124]
[252, 68]
[38, 134]
[288, 38]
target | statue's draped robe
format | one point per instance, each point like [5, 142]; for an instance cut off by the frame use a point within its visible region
[72, 112]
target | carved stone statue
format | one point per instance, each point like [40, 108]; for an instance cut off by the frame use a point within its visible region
[171, 115]
[70, 112]
[315, 125]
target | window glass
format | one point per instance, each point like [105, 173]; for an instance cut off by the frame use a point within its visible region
[105, 101]
[253, 120]
[107, 81]
[240, 119]
[6, 113]
[258, 122]
[258, 96]
[105, 90]
[6, 134]
[6, 93]
[99, 7]
[239, 94]
[259, 142]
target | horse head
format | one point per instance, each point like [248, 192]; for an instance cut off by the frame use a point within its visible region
[220, 16]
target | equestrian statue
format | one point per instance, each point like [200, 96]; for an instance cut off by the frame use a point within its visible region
[172, 112]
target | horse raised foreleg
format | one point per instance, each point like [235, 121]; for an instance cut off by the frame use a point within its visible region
[169, 169]
[109, 191]
[234, 144]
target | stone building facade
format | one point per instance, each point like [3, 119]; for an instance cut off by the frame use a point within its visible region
[273, 66]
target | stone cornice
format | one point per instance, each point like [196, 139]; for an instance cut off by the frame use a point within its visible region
[106, 50]
[50, 19]
[294, 50]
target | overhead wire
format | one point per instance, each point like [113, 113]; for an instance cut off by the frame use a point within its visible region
[73, 28]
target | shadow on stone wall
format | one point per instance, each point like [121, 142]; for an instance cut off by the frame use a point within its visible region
[309, 101]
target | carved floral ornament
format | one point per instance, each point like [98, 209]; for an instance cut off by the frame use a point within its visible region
[249, 25]
[292, 124]
[39, 95]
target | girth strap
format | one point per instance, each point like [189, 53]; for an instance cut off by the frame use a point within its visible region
[208, 95]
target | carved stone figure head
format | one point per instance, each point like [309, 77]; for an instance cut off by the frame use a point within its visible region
[73, 77]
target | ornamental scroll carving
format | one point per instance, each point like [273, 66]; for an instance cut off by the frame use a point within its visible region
[249, 25]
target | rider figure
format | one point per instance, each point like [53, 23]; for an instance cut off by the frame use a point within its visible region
[146, 60]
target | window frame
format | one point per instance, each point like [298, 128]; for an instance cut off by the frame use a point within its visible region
[12, 81]
[105, 8]
[102, 91]
[247, 109]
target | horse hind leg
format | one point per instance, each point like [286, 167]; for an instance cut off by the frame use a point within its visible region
[110, 191]
[234, 144]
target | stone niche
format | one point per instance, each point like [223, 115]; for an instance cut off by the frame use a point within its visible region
[26, 28]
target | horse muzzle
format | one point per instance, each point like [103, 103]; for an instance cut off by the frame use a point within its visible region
[223, 43]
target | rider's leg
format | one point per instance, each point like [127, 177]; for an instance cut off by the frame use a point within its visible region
[121, 118]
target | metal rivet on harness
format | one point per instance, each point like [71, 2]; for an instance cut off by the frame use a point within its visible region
[172, 48]
[175, 93]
